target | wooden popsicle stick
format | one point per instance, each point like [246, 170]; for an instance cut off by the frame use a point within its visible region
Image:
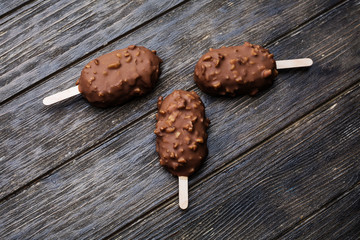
[183, 192]
[57, 97]
[294, 63]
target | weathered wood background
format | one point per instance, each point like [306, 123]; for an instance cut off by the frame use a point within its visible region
[282, 165]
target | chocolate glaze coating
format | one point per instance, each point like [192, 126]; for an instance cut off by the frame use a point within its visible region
[181, 132]
[116, 77]
[237, 70]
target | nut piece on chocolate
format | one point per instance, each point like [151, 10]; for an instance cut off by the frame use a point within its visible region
[181, 132]
[237, 70]
[116, 77]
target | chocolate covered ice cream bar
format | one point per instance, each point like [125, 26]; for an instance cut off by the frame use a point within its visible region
[235, 70]
[116, 77]
[181, 132]
[181, 137]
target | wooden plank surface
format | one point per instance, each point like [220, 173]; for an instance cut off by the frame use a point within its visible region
[58, 33]
[65, 198]
[340, 220]
[77, 201]
[65, 136]
[8, 6]
[83, 172]
[273, 186]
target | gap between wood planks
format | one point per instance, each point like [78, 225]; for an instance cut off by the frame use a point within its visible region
[173, 200]
[26, 89]
[16, 8]
[111, 136]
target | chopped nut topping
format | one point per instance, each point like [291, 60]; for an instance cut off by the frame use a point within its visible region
[114, 65]
[207, 58]
[266, 73]
[182, 160]
[177, 134]
[170, 129]
[199, 140]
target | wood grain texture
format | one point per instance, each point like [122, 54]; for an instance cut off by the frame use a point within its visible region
[272, 187]
[8, 6]
[91, 195]
[339, 221]
[115, 183]
[110, 186]
[67, 130]
[57, 33]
